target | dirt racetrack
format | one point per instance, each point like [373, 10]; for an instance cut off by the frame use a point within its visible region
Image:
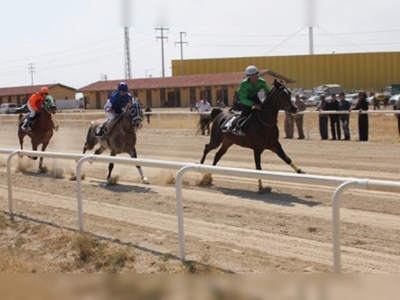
[227, 224]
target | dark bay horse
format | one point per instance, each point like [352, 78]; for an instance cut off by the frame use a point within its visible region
[120, 139]
[263, 132]
[42, 128]
[204, 124]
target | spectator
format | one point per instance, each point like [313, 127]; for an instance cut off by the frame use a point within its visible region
[344, 105]
[375, 101]
[396, 106]
[148, 114]
[204, 105]
[323, 118]
[289, 125]
[362, 105]
[204, 119]
[334, 118]
[299, 117]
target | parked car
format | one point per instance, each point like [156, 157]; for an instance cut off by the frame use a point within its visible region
[8, 108]
[312, 101]
[393, 99]
[352, 98]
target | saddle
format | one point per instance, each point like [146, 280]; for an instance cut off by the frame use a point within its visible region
[23, 123]
[234, 124]
[106, 127]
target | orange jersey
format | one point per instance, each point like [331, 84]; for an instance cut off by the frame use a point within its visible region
[35, 100]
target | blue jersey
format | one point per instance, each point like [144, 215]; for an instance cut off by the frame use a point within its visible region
[119, 101]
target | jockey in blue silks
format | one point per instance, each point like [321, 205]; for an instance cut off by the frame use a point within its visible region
[116, 104]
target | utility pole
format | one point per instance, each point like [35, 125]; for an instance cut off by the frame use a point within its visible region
[127, 55]
[162, 37]
[311, 40]
[181, 42]
[31, 69]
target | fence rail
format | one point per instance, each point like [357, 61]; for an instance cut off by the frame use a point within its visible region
[342, 183]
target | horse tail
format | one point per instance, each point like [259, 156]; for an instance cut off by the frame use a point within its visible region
[91, 139]
[215, 112]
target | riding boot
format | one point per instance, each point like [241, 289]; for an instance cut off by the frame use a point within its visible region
[28, 124]
[238, 129]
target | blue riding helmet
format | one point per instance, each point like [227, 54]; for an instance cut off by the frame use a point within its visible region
[123, 87]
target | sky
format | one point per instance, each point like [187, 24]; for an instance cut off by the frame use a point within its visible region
[78, 42]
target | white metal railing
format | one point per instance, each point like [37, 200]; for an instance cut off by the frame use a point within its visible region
[342, 183]
[85, 117]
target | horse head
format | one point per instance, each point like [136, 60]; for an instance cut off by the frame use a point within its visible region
[279, 98]
[135, 113]
[50, 106]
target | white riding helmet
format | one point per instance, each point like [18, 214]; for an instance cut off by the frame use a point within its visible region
[251, 71]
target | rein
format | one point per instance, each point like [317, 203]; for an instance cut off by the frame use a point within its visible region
[265, 123]
[259, 111]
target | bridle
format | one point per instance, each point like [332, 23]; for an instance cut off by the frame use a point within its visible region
[273, 91]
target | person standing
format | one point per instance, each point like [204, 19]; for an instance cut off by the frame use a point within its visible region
[204, 118]
[148, 112]
[289, 125]
[323, 118]
[344, 105]
[299, 117]
[204, 105]
[396, 106]
[363, 126]
[334, 118]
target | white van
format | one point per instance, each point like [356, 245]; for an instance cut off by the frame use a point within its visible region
[8, 108]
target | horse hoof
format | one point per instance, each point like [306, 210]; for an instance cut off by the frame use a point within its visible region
[301, 172]
[265, 190]
[43, 169]
[145, 180]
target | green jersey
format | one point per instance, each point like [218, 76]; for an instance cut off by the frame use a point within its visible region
[248, 90]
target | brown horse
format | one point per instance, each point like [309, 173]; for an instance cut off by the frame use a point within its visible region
[204, 124]
[121, 139]
[42, 128]
[263, 132]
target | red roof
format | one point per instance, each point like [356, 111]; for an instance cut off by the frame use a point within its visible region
[29, 89]
[176, 81]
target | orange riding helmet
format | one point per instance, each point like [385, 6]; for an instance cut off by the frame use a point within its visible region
[44, 90]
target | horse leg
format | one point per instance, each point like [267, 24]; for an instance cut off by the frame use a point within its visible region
[279, 151]
[91, 140]
[215, 141]
[41, 168]
[133, 154]
[110, 165]
[225, 146]
[257, 160]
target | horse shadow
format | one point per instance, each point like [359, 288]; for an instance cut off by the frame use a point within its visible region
[282, 199]
[124, 188]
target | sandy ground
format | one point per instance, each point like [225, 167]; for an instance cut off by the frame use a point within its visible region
[228, 224]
